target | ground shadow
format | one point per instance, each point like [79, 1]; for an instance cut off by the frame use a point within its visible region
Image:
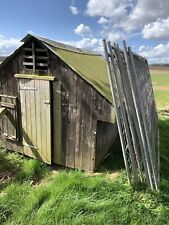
[114, 160]
[8, 168]
[164, 146]
[13, 168]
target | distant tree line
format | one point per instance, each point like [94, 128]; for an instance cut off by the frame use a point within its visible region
[162, 64]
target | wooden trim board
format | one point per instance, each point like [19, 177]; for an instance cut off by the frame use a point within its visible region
[36, 77]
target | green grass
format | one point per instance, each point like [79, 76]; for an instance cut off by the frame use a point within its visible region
[162, 98]
[70, 197]
[39, 195]
[33, 193]
[161, 79]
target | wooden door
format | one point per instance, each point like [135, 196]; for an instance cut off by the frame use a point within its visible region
[36, 118]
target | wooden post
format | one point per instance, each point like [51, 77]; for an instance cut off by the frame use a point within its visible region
[33, 55]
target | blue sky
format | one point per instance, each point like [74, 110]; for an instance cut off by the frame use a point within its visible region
[144, 24]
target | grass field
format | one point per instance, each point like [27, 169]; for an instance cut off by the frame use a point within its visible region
[160, 80]
[32, 193]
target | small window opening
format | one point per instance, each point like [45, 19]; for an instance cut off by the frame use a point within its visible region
[35, 58]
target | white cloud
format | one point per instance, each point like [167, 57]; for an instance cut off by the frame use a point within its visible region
[142, 48]
[82, 30]
[116, 36]
[108, 8]
[158, 29]
[157, 54]
[127, 15]
[93, 44]
[74, 10]
[7, 46]
[29, 32]
[146, 11]
[103, 20]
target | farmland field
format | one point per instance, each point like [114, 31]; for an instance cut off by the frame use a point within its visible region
[32, 193]
[160, 81]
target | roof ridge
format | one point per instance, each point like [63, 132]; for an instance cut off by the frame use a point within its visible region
[60, 45]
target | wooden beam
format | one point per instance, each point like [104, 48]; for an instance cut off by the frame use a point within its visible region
[3, 111]
[41, 50]
[8, 96]
[42, 57]
[28, 63]
[28, 49]
[33, 55]
[7, 105]
[28, 76]
[28, 57]
[42, 64]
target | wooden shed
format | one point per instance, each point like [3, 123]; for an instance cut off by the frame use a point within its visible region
[57, 104]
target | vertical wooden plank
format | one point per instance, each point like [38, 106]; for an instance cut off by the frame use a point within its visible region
[57, 126]
[87, 128]
[38, 118]
[32, 93]
[5, 122]
[33, 55]
[14, 119]
[28, 131]
[23, 112]
[65, 123]
[43, 121]
[70, 155]
[94, 132]
[47, 121]
[79, 127]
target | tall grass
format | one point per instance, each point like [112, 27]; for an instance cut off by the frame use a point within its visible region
[73, 198]
[37, 196]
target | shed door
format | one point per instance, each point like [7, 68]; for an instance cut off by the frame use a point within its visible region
[36, 121]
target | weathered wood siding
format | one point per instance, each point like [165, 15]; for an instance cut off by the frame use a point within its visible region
[81, 108]
[8, 86]
[76, 105]
[36, 118]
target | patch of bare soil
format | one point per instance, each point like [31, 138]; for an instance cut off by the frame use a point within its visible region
[160, 87]
[111, 176]
[5, 176]
[157, 68]
[154, 83]
[164, 112]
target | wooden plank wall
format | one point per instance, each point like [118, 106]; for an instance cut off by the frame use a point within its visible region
[81, 108]
[8, 86]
